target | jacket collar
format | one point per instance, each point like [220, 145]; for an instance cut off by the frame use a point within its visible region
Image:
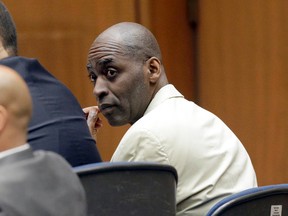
[166, 92]
[19, 153]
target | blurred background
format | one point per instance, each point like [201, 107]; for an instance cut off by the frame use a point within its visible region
[229, 56]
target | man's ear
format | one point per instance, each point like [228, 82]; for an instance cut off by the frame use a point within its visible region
[154, 69]
[3, 117]
[3, 52]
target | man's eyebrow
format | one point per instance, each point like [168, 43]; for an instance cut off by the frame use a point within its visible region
[104, 62]
[100, 63]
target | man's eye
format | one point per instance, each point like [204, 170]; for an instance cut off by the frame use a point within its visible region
[92, 77]
[111, 73]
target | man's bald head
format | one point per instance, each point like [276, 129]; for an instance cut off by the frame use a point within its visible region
[137, 40]
[15, 98]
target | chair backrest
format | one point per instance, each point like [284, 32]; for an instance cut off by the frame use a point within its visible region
[129, 188]
[271, 200]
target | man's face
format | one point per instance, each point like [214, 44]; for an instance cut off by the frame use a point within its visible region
[121, 83]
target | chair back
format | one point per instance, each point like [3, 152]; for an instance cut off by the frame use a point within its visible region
[129, 188]
[270, 200]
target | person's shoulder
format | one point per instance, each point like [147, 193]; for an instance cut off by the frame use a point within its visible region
[168, 111]
[51, 157]
[55, 166]
[23, 66]
[16, 60]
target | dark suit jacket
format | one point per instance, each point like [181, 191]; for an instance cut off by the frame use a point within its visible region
[58, 123]
[39, 183]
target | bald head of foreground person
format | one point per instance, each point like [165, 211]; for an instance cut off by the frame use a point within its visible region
[42, 180]
[15, 109]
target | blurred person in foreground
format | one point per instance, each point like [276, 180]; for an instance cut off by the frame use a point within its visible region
[131, 87]
[58, 122]
[32, 183]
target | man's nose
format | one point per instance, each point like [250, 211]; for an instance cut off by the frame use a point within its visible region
[100, 89]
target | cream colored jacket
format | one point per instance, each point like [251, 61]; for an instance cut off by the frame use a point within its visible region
[210, 160]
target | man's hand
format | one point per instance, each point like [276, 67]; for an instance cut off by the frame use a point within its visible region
[93, 120]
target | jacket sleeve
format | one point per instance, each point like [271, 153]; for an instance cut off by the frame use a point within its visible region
[140, 145]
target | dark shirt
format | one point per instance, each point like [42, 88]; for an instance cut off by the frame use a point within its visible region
[58, 123]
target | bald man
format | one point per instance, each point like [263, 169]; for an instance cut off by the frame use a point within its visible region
[31, 183]
[131, 87]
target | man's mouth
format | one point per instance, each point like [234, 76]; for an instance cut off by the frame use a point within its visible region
[104, 108]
